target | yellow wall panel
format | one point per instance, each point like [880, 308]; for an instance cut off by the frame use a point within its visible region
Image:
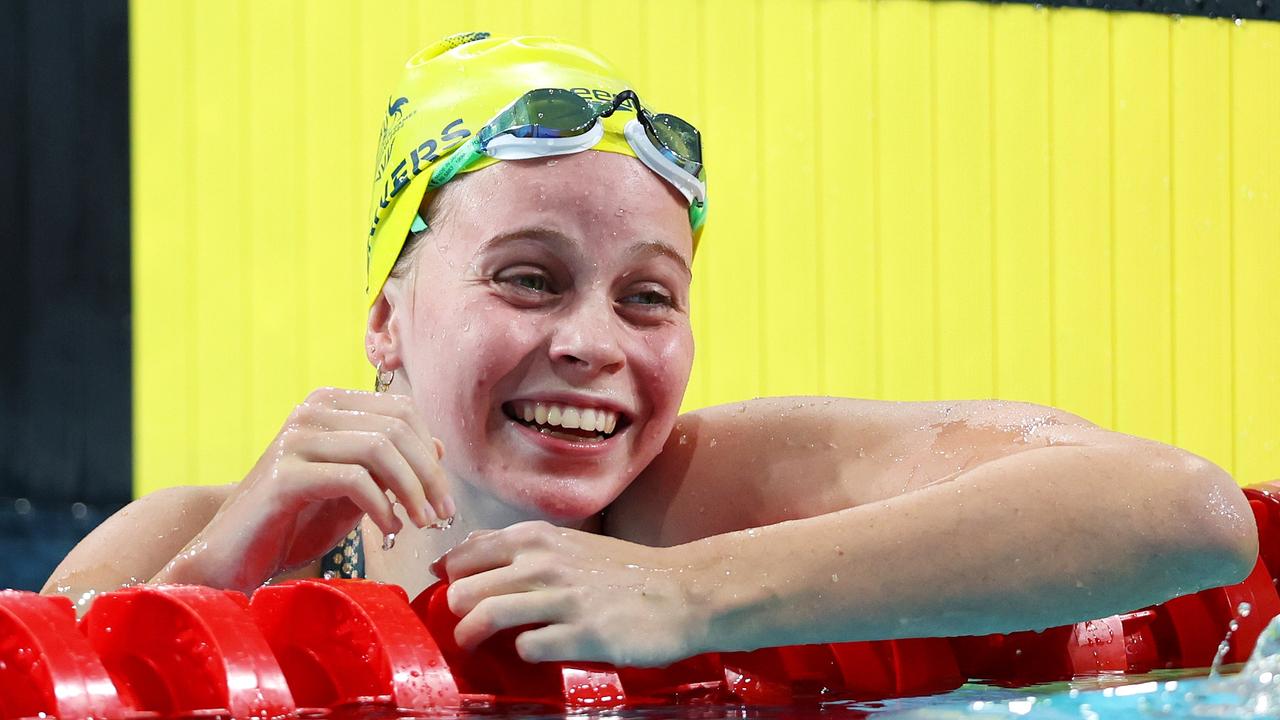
[1142, 368]
[1080, 213]
[165, 444]
[728, 262]
[1201, 239]
[787, 239]
[1255, 227]
[903, 97]
[845, 193]
[962, 177]
[909, 200]
[219, 257]
[1020, 203]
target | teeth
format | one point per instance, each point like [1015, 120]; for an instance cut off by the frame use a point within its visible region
[567, 416]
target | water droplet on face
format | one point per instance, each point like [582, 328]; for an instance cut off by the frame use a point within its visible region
[684, 439]
[1243, 609]
[713, 442]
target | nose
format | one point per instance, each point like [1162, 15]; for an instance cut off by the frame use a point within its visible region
[586, 341]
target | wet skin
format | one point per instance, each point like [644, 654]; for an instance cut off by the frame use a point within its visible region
[562, 281]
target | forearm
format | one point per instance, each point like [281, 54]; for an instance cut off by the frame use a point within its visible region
[1036, 539]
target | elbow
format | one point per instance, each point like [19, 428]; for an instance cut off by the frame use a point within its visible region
[1215, 525]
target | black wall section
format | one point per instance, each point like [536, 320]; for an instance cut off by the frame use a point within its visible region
[65, 387]
[1242, 9]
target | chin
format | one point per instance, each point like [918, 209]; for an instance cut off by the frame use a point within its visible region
[564, 501]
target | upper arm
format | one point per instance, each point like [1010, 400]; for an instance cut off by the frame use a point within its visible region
[137, 542]
[768, 460]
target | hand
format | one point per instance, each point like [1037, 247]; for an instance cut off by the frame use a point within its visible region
[335, 460]
[595, 598]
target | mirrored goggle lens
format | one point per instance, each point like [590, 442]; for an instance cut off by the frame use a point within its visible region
[549, 113]
[679, 139]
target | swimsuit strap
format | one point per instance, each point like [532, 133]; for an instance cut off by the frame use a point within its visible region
[346, 560]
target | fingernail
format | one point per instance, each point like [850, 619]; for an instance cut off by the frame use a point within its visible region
[388, 541]
[449, 508]
[437, 567]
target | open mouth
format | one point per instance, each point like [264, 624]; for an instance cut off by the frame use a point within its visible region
[566, 422]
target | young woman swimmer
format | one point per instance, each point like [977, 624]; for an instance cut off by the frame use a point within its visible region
[529, 323]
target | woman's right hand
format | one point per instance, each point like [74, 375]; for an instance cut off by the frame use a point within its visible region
[335, 460]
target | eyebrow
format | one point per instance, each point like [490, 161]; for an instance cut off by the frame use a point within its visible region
[657, 247]
[555, 237]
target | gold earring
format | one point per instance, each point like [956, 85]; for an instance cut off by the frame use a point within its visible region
[383, 380]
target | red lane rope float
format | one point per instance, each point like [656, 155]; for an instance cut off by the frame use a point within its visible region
[898, 668]
[1264, 499]
[699, 679]
[46, 666]
[182, 650]
[1092, 647]
[495, 670]
[352, 641]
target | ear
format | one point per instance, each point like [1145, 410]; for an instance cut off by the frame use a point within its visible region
[382, 340]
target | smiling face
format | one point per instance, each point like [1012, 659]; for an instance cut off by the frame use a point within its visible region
[544, 329]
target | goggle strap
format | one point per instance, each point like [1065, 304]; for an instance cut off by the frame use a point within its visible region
[691, 187]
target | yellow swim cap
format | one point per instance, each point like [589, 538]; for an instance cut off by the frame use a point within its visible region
[448, 92]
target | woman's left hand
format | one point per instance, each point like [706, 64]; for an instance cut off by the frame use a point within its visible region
[594, 598]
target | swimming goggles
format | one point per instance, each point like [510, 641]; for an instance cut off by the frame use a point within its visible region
[551, 121]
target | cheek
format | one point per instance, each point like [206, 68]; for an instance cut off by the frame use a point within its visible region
[668, 361]
[461, 351]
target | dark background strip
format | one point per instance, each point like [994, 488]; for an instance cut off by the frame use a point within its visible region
[65, 386]
[1232, 9]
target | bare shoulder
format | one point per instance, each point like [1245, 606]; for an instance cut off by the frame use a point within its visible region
[135, 543]
[768, 460]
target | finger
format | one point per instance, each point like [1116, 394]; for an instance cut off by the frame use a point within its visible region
[326, 481]
[432, 486]
[553, 643]
[388, 404]
[482, 550]
[495, 614]
[465, 594]
[377, 453]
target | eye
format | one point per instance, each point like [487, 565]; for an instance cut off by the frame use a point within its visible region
[525, 280]
[649, 298]
[530, 282]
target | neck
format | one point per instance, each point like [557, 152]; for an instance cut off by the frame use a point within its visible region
[408, 564]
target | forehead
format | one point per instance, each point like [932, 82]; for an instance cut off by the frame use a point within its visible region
[608, 199]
